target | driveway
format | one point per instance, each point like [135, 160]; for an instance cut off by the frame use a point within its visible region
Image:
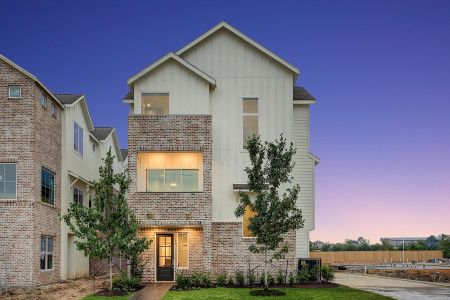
[395, 288]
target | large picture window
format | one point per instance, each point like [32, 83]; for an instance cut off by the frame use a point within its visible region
[8, 181]
[47, 186]
[78, 138]
[183, 251]
[154, 104]
[172, 180]
[46, 255]
[249, 118]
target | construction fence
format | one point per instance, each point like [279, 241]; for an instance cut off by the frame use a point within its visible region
[374, 257]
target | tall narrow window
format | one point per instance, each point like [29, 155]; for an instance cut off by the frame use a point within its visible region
[43, 100]
[78, 196]
[78, 138]
[248, 213]
[46, 256]
[249, 118]
[155, 104]
[8, 181]
[47, 186]
[183, 250]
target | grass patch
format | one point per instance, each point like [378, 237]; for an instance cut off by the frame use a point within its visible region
[340, 293]
[93, 297]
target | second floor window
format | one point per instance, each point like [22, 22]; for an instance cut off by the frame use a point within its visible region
[172, 180]
[78, 138]
[249, 118]
[54, 110]
[155, 104]
[8, 181]
[15, 91]
[78, 196]
[43, 101]
[47, 186]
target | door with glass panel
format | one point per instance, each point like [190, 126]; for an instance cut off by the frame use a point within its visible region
[164, 257]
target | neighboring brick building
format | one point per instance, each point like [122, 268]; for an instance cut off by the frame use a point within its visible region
[190, 113]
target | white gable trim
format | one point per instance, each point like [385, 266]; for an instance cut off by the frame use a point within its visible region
[31, 76]
[242, 36]
[315, 158]
[84, 107]
[178, 59]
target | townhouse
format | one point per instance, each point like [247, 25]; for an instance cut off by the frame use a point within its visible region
[190, 114]
[49, 152]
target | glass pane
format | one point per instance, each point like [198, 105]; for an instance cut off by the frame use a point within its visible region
[2, 172]
[168, 261]
[182, 250]
[42, 256]
[168, 241]
[80, 140]
[190, 180]
[9, 190]
[50, 261]
[155, 104]
[43, 244]
[248, 213]
[250, 106]
[168, 251]
[2, 190]
[10, 172]
[155, 180]
[162, 241]
[50, 244]
[75, 136]
[173, 181]
[14, 91]
[162, 261]
[250, 126]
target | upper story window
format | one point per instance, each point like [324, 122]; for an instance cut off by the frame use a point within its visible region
[77, 138]
[15, 91]
[47, 186]
[8, 181]
[170, 172]
[46, 256]
[54, 110]
[249, 118]
[43, 101]
[78, 196]
[155, 104]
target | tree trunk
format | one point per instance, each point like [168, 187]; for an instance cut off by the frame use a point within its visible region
[110, 272]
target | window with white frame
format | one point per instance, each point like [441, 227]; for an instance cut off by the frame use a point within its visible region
[183, 251]
[15, 91]
[154, 104]
[77, 138]
[78, 196]
[54, 110]
[8, 181]
[43, 100]
[249, 118]
[46, 256]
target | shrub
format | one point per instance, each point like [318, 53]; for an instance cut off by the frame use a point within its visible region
[206, 279]
[291, 279]
[126, 283]
[262, 279]
[280, 277]
[221, 279]
[251, 278]
[239, 278]
[327, 273]
[303, 276]
[182, 281]
[314, 274]
[270, 279]
[230, 280]
[196, 279]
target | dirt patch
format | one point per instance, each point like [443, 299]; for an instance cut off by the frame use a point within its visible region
[109, 293]
[434, 275]
[71, 289]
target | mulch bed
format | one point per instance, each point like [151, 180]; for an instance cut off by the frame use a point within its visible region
[264, 293]
[109, 293]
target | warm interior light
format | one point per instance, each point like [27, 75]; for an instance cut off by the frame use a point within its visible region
[173, 184]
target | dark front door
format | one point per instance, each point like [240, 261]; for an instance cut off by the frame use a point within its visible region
[164, 257]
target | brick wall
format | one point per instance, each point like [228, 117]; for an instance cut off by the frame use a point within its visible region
[31, 137]
[172, 133]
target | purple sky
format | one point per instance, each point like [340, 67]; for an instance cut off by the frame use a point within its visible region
[379, 69]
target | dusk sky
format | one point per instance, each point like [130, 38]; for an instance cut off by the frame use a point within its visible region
[380, 71]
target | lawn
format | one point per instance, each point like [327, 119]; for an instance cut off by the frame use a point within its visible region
[340, 292]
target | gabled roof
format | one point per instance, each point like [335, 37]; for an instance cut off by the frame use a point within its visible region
[68, 98]
[243, 37]
[300, 93]
[102, 133]
[176, 58]
[31, 76]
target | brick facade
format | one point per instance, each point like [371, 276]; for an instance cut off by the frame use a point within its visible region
[30, 137]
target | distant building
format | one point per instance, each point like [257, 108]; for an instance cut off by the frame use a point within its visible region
[398, 241]
[318, 245]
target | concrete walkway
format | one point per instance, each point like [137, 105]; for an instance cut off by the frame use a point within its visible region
[153, 291]
[395, 288]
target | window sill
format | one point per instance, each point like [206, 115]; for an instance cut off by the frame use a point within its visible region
[8, 200]
[77, 153]
[47, 271]
[47, 204]
[14, 98]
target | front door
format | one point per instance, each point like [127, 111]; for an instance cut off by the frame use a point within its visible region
[164, 257]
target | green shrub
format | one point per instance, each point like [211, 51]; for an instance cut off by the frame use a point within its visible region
[327, 273]
[196, 279]
[182, 281]
[280, 277]
[230, 280]
[303, 275]
[270, 279]
[262, 280]
[251, 278]
[291, 279]
[314, 274]
[221, 279]
[206, 279]
[126, 283]
[239, 278]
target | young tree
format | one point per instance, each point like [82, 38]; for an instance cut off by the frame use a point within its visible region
[108, 228]
[275, 214]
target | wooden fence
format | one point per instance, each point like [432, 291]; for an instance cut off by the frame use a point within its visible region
[374, 257]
